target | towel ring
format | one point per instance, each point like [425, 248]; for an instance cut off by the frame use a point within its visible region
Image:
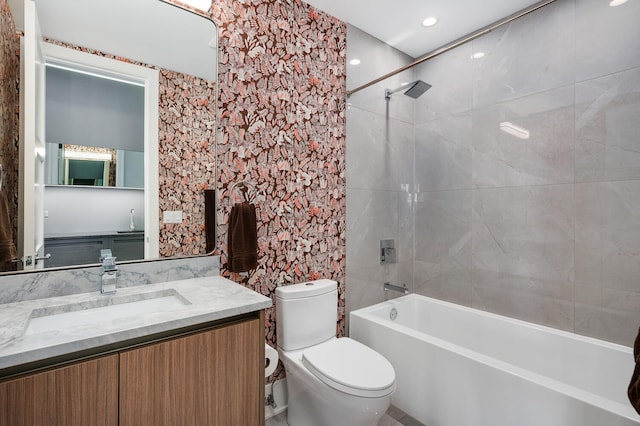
[244, 187]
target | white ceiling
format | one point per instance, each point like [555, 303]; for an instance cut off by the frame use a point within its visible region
[399, 22]
[149, 31]
[396, 22]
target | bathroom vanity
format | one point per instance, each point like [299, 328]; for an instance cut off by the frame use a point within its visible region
[181, 352]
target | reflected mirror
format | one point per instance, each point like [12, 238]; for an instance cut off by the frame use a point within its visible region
[82, 157]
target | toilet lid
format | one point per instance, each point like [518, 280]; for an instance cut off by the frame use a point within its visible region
[351, 367]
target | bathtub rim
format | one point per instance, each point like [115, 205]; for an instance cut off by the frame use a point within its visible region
[620, 409]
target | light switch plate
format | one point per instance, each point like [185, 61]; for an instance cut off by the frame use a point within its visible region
[172, 216]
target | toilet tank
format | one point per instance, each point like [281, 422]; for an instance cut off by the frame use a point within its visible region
[306, 313]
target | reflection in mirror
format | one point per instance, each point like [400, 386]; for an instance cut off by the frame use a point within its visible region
[93, 166]
[153, 34]
[94, 129]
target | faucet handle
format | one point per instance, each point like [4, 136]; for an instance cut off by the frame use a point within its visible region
[105, 254]
[108, 261]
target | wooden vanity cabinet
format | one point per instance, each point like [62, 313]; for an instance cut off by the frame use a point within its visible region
[80, 394]
[206, 378]
[209, 378]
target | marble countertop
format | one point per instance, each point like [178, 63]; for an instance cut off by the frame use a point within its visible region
[201, 300]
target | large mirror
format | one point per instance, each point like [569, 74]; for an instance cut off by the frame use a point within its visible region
[107, 185]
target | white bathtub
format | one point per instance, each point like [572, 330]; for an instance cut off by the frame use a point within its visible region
[457, 366]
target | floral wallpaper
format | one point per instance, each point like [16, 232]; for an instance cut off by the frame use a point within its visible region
[9, 73]
[187, 159]
[281, 106]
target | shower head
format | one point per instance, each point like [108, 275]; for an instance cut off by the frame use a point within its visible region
[414, 89]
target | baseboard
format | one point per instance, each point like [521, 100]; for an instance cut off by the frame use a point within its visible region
[280, 397]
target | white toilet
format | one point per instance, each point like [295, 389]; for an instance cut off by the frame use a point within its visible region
[330, 381]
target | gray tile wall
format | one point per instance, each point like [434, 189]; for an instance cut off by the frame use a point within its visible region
[379, 174]
[545, 229]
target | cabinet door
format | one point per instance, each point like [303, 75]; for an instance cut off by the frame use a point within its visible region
[128, 247]
[210, 378]
[73, 251]
[80, 394]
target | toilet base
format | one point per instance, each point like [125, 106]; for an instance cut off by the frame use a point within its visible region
[313, 403]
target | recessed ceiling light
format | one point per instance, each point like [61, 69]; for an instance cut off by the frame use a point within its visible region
[477, 55]
[355, 61]
[431, 21]
[614, 3]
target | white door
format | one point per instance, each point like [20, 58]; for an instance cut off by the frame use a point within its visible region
[32, 144]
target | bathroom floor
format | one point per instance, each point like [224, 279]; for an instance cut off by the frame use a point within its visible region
[393, 417]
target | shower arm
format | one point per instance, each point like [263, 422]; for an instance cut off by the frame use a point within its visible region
[388, 93]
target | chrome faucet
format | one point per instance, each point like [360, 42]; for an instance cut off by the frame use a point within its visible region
[109, 272]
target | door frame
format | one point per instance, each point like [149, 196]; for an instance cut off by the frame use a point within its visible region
[149, 78]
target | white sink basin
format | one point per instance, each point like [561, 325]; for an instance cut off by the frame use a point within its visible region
[102, 310]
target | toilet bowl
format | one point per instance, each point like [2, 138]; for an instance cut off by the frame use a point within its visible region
[331, 381]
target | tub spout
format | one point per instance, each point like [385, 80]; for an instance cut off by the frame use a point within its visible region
[403, 289]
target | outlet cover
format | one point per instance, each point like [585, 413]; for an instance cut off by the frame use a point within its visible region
[172, 216]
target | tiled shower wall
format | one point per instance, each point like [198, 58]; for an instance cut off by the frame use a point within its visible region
[544, 229]
[379, 172]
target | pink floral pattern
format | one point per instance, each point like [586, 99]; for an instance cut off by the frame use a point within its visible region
[282, 102]
[187, 159]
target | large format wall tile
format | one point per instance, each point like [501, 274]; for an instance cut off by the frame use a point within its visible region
[378, 215]
[608, 235]
[607, 314]
[529, 55]
[376, 58]
[546, 156]
[372, 216]
[554, 232]
[443, 153]
[607, 127]
[452, 84]
[523, 252]
[399, 107]
[523, 298]
[443, 245]
[387, 147]
[607, 38]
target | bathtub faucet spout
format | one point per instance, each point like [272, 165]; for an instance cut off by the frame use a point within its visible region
[403, 289]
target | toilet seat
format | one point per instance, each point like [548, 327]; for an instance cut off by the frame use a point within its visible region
[350, 367]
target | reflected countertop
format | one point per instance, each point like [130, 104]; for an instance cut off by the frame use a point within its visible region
[94, 234]
[203, 300]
